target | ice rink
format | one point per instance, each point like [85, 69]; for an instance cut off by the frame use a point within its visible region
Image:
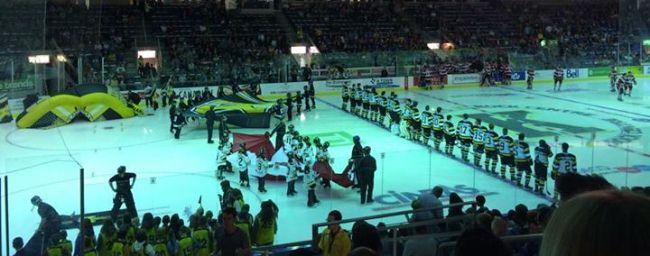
[609, 138]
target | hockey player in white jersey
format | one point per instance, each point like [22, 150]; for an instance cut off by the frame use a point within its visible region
[223, 165]
[243, 162]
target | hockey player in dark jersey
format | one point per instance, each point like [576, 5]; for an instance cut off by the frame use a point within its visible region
[450, 136]
[506, 153]
[558, 77]
[620, 86]
[491, 155]
[345, 97]
[353, 100]
[542, 154]
[383, 104]
[564, 162]
[365, 104]
[630, 81]
[478, 136]
[426, 118]
[395, 119]
[530, 78]
[613, 77]
[523, 160]
[465, 135]
[372, 100]
[438, 128]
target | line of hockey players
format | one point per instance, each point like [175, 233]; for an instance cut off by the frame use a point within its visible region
[622, 83]
[431, 126]
[301, 153]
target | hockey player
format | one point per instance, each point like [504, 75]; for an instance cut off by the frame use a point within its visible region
[395, 119]
[564, 162]
[490, 141]
[405, 116]
[357, 97]
[507, 75]
[478, 136]
[243, 162]
[311, 177]
[450, 136]
[613, 77]
[620, 86]
[542, 153]
[558, 76]
[382, 104]
[438, 121]
[630, 80]
[261, 169]
[530, 78]
[345, 97]
[292, 176]
[426, 118]
[506, 147]
[372, 100]
[416, 122]
[465, 135]
[365, 103]
[223, 165]
[353, 100]
[523, 160]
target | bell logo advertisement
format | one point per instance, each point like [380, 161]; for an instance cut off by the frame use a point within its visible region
[518, 76]
[383, 82]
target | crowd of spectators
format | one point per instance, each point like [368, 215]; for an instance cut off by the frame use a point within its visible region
[358, 26]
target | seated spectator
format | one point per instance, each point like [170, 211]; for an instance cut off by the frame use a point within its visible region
[605, 222]
[334, 241]
[386, 245]
[363, 251]
[365, 235]
[420, 244]
[480, 205]
[571, 184]
[478, 241]
[484, 220]
[18, 244]
[499, 226]
[230, 239]
[455, 212]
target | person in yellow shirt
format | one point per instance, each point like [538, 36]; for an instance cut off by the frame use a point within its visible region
[202, 237]
[185, 243]
[160, 248]
[334, 241]
[265, 225]
[107, 236]
[118, 248]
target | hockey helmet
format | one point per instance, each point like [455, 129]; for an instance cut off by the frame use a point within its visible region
[326, 144]
[306, 139]
[36, 200]
[291, 127]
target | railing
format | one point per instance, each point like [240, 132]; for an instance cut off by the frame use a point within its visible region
[315, 233]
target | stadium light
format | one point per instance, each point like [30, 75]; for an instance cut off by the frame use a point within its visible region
[313, 50]
[448, 46]
[39, 59]
[61, 58]
[298, 49]
[433, 46]
[147, 54]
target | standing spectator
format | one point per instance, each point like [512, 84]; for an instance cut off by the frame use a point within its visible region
[209, 122]
[334, 241]
[366, 171]
[432, 200]
[124, 182]
[227, 200]
[230, 239]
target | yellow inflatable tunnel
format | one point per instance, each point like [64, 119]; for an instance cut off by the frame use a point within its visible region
[93, 103]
